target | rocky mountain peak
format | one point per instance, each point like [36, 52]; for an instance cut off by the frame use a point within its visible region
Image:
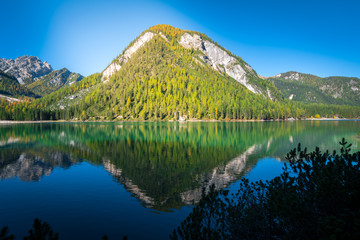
[204, 51]
[25, 67]
[294, 76]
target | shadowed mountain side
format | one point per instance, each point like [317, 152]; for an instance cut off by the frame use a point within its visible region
[9, 86]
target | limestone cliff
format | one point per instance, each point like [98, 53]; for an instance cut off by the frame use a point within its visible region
[219, 59]
[123, 58]
[25, 68]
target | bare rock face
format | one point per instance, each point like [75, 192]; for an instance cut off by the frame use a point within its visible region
[294, 76]
[138, 44]
[110, 70]
[25, 67]
[218, 59]
[188, 41]
[116, 65]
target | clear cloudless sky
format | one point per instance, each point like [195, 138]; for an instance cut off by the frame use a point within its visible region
[321, 37]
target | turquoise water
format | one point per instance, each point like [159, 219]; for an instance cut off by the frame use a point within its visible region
[138, 179]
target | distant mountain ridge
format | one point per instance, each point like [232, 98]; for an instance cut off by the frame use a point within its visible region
[54, 81]
[313, 89]
[36, 76]
[25, 68]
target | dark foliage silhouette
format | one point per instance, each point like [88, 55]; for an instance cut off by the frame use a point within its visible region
[4, 234]
[316, 197]
[41, 231]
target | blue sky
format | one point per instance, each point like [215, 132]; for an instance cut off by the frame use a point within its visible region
[318, 37]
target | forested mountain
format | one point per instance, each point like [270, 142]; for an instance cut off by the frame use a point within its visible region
[9, 86]
[313, 89]
[202, 51]
[156, 77]
[170, 74]
[54, 81]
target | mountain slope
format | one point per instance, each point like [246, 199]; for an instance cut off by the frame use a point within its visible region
[54, 81]
[9, 86]
[312, 89]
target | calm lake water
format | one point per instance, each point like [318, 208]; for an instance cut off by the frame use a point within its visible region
[139, 179]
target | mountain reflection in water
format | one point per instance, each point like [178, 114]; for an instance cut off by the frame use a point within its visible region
[164, 165]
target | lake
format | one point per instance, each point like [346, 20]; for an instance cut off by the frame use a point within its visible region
[139, 179]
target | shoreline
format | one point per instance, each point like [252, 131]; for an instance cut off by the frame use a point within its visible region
[4, 122]
[24, 122]
[332, 119]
